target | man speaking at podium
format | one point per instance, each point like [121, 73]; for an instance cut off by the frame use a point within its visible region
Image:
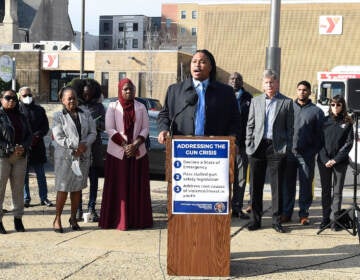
[200, 105]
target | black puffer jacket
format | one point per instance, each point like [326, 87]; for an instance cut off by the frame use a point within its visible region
[39, 126]
[7, 134]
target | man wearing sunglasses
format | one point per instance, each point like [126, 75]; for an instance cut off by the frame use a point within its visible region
[40, 126]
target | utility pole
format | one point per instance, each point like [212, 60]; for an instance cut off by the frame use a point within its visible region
[273, 51]
[82, 39]
[149, 43]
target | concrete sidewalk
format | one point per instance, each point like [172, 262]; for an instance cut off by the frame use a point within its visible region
[40, 253]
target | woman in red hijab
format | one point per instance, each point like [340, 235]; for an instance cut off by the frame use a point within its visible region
[126, 201]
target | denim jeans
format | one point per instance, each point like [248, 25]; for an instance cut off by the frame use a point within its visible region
[41, 180]
[304, 166]
[94, 179]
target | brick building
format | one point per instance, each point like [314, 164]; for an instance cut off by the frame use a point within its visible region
[238, 34]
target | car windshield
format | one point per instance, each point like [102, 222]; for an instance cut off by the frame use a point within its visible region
[329, 90]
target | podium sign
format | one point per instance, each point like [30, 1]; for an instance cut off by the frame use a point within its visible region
[200, 172]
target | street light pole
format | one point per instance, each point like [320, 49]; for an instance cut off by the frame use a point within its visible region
[273, 52]
[82, 39]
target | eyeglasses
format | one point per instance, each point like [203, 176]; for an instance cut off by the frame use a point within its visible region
[26, 95]
[10, 97]
[336, 104]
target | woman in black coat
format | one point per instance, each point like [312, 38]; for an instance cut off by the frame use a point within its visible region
[15, 140]
[90, 97]
[333, 159]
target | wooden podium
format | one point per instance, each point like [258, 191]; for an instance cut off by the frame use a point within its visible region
[198, 244]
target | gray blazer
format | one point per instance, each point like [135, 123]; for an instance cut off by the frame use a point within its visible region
[67, 140]
[283, 125]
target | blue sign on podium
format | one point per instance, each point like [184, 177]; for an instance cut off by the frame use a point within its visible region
[200, 175]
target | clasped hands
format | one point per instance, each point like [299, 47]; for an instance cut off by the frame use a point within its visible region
[19, 150]
[131, 149]
[81, 149]
[330, 163]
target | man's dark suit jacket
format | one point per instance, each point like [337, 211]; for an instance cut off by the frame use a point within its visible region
[222, 114]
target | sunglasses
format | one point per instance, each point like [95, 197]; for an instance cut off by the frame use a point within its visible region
[10, 97]
[336, 104]
[26, 95]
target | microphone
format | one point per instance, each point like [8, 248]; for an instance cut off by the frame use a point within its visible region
[190, 100]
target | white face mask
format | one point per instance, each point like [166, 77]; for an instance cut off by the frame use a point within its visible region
[27, 100]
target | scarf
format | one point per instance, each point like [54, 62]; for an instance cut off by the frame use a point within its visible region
[128, 108]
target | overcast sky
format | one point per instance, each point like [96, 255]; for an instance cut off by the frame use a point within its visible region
[95, 8]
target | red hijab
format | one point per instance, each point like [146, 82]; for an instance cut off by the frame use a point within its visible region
[128, 107]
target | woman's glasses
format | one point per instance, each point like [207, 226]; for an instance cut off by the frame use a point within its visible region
[26, 95]
[10, 97]
[336, 104]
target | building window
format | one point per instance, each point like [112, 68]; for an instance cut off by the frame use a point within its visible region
[59, 79]
[168, 23]
[194, 14]
[135, 26]
[193, 31]
[106, 44]
[182, 30]
[183, 14]
[121, 44]
[135, 43]
[121, 27]
[106, 28]
[122, 75]
[105, 83]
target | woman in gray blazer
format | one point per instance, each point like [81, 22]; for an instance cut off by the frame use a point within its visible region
[74, 131]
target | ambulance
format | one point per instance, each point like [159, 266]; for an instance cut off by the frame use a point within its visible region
[335, 82]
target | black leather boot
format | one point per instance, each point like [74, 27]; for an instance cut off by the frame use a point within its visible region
[19, 227]
[2, 229]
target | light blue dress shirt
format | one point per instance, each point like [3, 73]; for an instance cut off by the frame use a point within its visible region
[200, 118]
[270, 108]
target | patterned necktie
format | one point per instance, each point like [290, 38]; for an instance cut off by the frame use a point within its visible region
[200, 112]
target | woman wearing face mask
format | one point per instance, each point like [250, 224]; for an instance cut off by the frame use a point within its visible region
[333, 158]
[37, 157]
[15, 140]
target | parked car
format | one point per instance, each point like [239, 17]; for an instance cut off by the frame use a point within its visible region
[156, 151]
[151, 104]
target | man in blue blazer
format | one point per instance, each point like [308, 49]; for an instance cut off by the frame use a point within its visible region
[199, 105]
[268, 140]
